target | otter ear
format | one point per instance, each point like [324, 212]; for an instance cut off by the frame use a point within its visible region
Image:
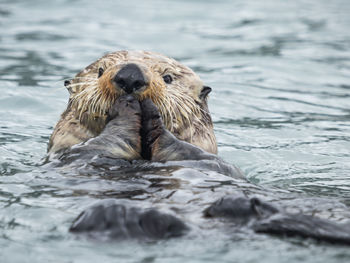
[67, 85]
[204, 92]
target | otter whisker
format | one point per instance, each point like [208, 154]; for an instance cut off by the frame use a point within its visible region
[83, 83]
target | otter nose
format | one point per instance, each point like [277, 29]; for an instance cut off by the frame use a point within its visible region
[130, 78]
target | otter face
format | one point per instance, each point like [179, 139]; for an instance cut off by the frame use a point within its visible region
[176, 90]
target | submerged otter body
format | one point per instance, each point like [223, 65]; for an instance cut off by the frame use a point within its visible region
[140, 121]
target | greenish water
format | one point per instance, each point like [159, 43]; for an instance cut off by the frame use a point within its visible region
[280, 73]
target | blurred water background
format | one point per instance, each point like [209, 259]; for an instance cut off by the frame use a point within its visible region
[280, 73]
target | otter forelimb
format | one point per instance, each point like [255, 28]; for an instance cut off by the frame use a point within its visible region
[158, 144]
[120, 139]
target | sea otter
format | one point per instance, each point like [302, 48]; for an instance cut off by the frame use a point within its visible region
[178, 93]
[142, 117]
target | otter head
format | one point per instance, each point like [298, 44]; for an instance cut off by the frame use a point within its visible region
[176, 90]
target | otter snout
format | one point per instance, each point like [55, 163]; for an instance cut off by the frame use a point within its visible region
[130, 78]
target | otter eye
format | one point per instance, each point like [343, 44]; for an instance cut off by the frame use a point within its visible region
[100, 72]
[167, 79]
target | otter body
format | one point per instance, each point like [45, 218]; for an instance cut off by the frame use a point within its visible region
[140, 120]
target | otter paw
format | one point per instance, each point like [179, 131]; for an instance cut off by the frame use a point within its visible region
[125, 106]
[152, 127]
[240, 208]
[112, 220]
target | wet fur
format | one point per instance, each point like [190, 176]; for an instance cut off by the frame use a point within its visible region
[184, 112]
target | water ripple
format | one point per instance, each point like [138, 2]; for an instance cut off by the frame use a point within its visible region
[280, 104]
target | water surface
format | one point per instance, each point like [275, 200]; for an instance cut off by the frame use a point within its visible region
[280, 73]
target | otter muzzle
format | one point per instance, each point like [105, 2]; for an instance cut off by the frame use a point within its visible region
[130, 78]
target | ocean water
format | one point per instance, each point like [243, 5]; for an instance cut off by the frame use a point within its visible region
[280, 74]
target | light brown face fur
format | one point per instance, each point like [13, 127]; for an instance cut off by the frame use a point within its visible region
[183, 108]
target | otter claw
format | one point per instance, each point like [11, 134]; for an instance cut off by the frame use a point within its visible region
[152, 127]
[123, 105]
[149, 110]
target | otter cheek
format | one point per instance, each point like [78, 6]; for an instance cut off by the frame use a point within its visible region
[106, 87]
